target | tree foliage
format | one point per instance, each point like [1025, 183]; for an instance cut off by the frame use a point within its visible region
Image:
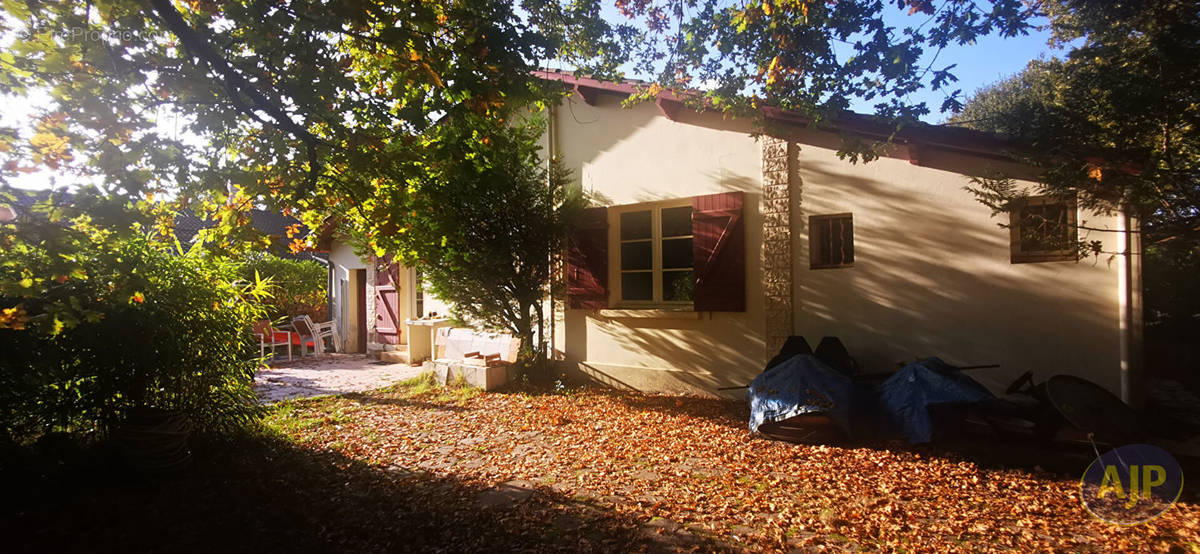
[814, 57]
[1116, 122]
[297, 287]
[317, 103]
[304, 103]
[97, 323]
[487, 232]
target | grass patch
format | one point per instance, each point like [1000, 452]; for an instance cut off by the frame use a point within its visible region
[294, 417]
[426, 384]
[421, 384]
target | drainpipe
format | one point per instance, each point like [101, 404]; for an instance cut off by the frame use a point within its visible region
[329, 289]
[551, 151]
[1129, 280]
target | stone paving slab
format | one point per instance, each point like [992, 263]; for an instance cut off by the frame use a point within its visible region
[328, 374]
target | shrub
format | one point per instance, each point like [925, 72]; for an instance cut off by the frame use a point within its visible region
[96, 325]
[297, 286]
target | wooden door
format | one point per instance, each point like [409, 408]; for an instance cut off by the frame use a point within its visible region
[387, 302]
[360, 300]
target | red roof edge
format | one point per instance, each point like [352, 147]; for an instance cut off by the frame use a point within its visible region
[913, 135]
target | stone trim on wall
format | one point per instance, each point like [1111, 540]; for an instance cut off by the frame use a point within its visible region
[372, 341]
[778, 175]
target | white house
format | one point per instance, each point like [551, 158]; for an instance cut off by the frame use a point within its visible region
[712, 245]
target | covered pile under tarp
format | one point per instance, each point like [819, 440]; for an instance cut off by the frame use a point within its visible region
[907, 394]
[800, 385]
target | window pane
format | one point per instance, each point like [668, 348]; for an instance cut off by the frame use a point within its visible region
[677, 222]
[678, 285]
[635, 255]
[676, 253]
[1044, 228]
[635, 225]
[637, 286]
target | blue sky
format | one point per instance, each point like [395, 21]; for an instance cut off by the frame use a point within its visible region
[989, 60]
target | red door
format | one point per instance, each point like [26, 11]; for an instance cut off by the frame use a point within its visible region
[387, 306]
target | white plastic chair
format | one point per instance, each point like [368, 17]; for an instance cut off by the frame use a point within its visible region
[318, 332]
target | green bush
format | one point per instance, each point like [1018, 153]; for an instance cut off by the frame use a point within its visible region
[95, 325]
[297, 286]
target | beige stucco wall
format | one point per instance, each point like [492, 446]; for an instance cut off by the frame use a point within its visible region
[344, 310]
[626, 156]
[932, 274]
[343, 258]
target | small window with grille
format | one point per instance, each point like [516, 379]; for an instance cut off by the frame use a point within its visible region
[1044, 229]
[831, 241]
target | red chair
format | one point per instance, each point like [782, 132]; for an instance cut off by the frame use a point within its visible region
[269, 336]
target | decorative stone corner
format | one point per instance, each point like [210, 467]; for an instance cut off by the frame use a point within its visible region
[372, 339]
[778, 174]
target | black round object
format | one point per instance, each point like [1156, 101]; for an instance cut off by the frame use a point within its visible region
[1092, 409]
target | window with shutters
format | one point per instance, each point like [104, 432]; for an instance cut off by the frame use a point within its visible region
[654, 256]
[1043, 229]
[831, 241]
[685, 254]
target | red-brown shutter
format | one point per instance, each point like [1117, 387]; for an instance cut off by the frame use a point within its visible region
[587, 262]
[387, 301]
[719, 252]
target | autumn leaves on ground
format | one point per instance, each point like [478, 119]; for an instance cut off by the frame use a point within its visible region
[418, 467]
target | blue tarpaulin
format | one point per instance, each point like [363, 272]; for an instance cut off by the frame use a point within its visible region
[801, 385]
[906, 395]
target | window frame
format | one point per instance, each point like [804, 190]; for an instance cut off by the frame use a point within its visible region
[655, 208]
[1019, 256]
[813, 221]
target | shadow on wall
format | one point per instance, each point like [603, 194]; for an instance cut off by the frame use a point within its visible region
[932, 277]
[607, 125]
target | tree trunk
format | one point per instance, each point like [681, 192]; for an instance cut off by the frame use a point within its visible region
[524, 327]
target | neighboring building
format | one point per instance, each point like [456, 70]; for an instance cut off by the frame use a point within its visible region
[713, 245]
[272, 224]
[187, 225]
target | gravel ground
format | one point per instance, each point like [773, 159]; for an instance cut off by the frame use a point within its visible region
[328, 374]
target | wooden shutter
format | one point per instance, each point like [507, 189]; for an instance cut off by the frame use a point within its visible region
[719, 252]
[387, 302]
[587, 262]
